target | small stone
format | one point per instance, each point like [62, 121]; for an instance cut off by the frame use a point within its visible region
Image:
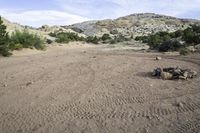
[180, 105]
[185, 74]
[182, 77]
[29, 83]
[158, 58]
[149, 117]
[166, 76]
[5, 85]
[94, 57]
[84, 51]
[177, 72]
[156, 72]
[191, 48]
[192, 74]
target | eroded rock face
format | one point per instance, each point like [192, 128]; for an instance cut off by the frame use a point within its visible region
[174, 73]
[135, 24]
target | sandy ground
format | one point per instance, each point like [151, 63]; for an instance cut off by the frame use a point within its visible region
[92, 90]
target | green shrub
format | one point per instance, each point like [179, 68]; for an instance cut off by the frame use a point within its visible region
[144, 39]
[4, 40]
[91, 39]
[105, 37]
[154, 41]
[113, 41]
[4, 50]
[178, 33]
[184, 51]
[170, 45]
[138, 38]
[192, 35]
[62, 38]
[66, 37]
[27, 40]
[196, 28]
[17, 46]
[163, 41]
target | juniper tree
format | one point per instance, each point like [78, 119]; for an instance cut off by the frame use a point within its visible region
[4, 40]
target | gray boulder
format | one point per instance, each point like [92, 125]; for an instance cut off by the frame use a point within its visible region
[166, 76]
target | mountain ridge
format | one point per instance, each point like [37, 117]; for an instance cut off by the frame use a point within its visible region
[130, 25]
[135, 24]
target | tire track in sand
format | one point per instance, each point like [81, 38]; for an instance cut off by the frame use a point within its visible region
[148, 113]
[188, 127]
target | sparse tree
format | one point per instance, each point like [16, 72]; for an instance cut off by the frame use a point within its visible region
[4, 40]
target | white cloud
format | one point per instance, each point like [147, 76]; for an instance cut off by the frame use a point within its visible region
[115, 8]
[73, 11]
[38, 18]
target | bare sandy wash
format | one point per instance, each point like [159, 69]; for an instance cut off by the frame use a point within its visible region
[92, 90]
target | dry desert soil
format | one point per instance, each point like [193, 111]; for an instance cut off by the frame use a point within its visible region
[96, 90]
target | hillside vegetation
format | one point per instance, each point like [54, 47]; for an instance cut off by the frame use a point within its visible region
[160, 32]
[136, 24]
[172, 41]
[4, 40]
[18, 40]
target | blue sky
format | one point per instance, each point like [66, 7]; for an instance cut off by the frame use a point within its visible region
[64, 12]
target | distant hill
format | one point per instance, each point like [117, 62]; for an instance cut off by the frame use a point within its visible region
[42, 31]
[11, 27]
[135, 24]
[131, 25]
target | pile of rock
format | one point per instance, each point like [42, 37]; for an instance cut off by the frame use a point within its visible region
[174, 73]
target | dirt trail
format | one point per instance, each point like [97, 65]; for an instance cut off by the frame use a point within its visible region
[96, 90]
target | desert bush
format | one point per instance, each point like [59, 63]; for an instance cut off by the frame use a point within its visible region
[113, 41]
[121, 38]
[91, 39]
[164, 41]
[177, 33]
[27, 40]
[66, 37]
[154, 41]
[17, 46]
[62, 38]
[4, 40]
[170, 45]
[106, 37]
[144, 39]
[184, 51]
[196, 28]
[192, 35]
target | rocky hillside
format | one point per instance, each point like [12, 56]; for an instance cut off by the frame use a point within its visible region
[43, 31]
[135, 24]
[132, 25]
[12, 27]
